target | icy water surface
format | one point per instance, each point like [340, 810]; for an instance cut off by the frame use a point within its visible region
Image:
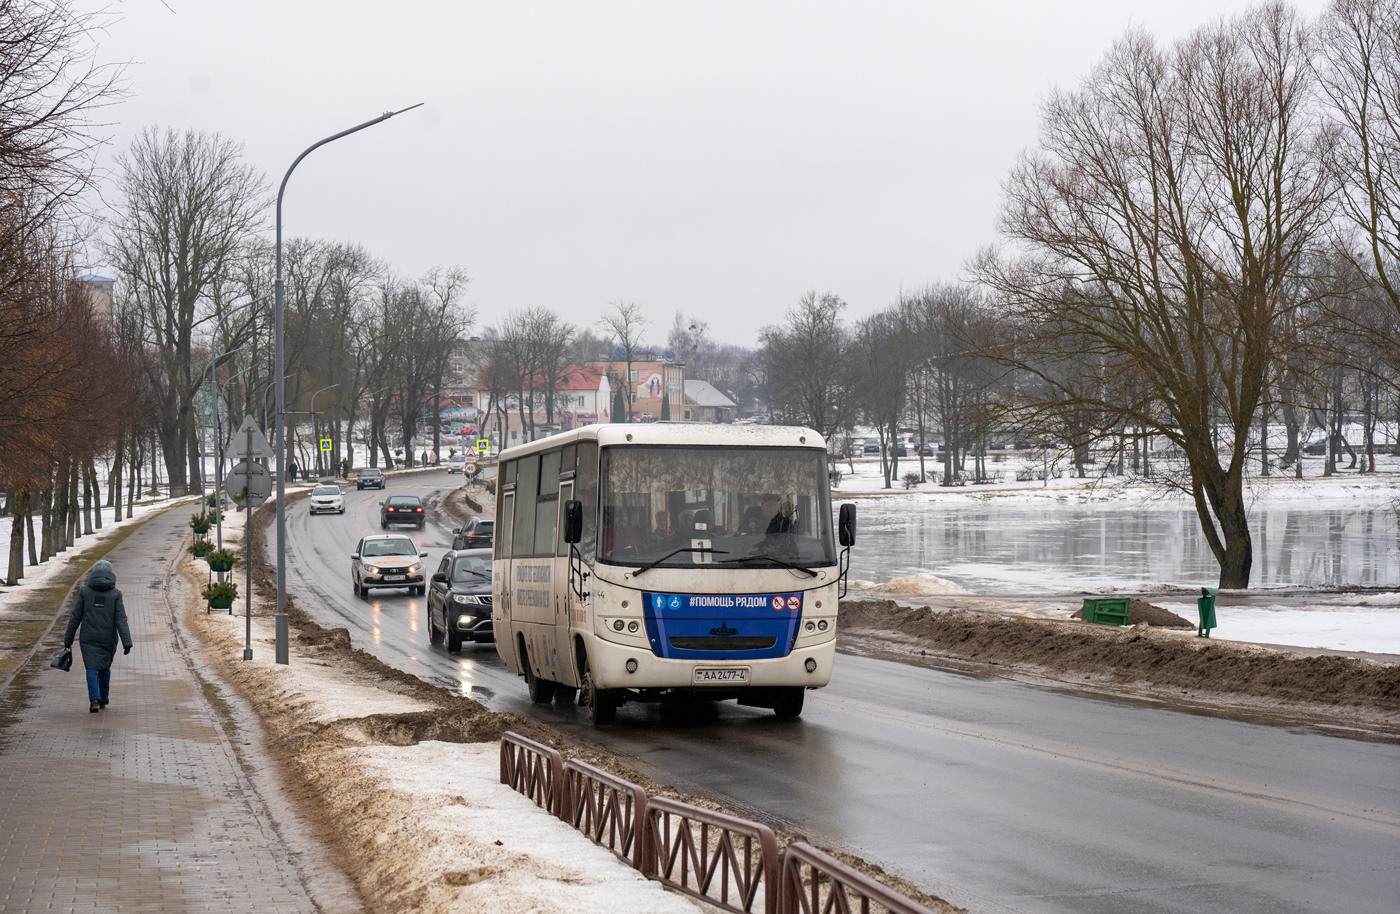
[1030, 548]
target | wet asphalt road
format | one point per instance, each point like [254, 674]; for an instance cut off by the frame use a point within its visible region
[993, 794]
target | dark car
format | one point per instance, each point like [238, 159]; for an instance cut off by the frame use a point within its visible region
[369, 476]
[386, 561]
[402, 509]
[476, 533]
[871, 449]
[459, 599]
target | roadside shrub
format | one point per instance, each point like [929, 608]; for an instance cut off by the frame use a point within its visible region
[220, 590]
[490, 486]
[910, 480]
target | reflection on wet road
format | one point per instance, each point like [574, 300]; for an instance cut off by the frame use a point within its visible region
[993, 794]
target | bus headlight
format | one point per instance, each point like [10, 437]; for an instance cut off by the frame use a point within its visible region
[821, 626]
[811, 626]
[811, 665]
[632, 627]
[617, 625]
[631, 665]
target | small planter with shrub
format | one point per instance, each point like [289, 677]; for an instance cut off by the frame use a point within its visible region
[201, 548]
[200, 522]
[221, 595]
[221, 560]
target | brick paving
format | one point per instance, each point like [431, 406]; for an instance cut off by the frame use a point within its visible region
[143, 806]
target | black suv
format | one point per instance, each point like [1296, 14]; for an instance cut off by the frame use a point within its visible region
[369, 476]
[475, 533]
[459, 599]
[402, 509]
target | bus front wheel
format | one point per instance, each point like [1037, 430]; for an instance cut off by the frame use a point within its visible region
[789, 702]
[600, 703]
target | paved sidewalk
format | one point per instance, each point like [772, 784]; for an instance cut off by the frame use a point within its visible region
[143, 806]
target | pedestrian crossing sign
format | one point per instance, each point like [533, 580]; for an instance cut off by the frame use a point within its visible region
[325, 444]
[483, 446]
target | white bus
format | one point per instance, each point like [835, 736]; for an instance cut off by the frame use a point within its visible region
[660, 562]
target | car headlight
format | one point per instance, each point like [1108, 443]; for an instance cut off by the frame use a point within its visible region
[412, 569]
[464, 620]
[464, 598]
[371, 569]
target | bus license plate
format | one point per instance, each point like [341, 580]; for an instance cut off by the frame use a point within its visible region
[395, 577]
[739, 674]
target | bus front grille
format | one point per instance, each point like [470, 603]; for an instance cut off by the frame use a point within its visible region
[723, 643]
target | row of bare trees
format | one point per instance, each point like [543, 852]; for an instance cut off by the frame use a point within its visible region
[66, 397]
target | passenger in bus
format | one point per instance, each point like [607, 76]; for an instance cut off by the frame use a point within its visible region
[705, 524]
[776, 520]
[754, 521]
[662, 533]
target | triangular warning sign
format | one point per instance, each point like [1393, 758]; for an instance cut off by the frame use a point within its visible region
[246, 447]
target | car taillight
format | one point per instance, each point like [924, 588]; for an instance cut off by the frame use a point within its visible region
[419, 510]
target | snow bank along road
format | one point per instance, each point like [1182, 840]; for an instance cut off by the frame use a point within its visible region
[992, 794]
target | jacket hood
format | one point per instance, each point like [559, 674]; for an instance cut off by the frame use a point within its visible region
[102, 579]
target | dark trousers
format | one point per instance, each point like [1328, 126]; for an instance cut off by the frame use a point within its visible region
[99, 684]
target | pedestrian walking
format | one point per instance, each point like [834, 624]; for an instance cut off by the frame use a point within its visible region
[292, 470]
[98, 619]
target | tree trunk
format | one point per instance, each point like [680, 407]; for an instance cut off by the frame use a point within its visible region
[87, 501]
[29, 526]
[46, 525]
[16, 549]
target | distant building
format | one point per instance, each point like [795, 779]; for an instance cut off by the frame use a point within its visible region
[658, 387]
[99, 291]
[705, 403]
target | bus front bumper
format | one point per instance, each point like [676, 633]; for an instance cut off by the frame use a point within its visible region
[607, 660]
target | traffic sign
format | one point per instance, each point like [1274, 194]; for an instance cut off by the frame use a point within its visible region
[248, 483]
[483, 446]
[246, 447]
[325, 444]
[468, 469]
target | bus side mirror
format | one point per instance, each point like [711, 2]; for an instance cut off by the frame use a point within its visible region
[846, 525]
[573, 520]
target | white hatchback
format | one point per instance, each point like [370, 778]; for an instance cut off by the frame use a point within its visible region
[327, 499]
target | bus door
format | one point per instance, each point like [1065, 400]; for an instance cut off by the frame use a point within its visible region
[502, 615]
[572, 611]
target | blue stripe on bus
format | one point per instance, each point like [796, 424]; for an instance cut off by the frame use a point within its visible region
[723, 616]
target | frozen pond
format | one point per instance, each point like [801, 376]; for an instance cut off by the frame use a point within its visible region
[1021, 547]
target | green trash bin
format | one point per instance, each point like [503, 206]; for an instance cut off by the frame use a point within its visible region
[1205, 606]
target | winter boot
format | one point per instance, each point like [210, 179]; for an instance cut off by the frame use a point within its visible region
[94, 706]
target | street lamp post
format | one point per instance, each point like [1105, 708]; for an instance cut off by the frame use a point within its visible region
[316, 426]
[278, 369]
[266, 389]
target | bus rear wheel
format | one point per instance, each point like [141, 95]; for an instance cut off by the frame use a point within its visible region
[789, 702]
[541, 690]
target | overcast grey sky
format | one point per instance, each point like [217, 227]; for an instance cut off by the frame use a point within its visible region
[716, 158]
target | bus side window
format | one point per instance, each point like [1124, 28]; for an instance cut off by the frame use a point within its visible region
[586, 491]
[547, 505]
[526, 491]
[504, 525]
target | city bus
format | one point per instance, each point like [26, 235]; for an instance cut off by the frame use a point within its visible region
[658, 562]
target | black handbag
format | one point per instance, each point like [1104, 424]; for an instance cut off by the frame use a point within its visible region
[63, 660]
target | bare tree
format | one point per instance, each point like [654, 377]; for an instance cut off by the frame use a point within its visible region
[625, 324]
[1171, 201]
[189, 202]
[804, 362]
[1360, 76]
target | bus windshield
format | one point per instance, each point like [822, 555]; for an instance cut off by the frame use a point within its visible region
[746, 507]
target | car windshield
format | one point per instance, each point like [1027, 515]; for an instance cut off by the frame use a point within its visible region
[464, 566]
[396, 546]
[404, 500]
[325, 490]
[748, 505]
[365, 474]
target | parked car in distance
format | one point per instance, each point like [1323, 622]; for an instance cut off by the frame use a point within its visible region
[870, 448]
[455, 464]
[327, 500]
[475, 533]
[402, 509]
[370, 476]
[459, 599]
[391, 560]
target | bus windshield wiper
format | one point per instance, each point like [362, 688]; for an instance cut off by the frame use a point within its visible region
[772, 558]
[650, 565]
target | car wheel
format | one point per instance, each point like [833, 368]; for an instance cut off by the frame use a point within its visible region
[421, 524]
[789, 703]
[454, 640]
[422, 590]
[383, 525]
[355, 585]
[433, 636]
[341, 511]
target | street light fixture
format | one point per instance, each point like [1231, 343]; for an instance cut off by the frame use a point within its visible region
[278, 369]
[316, 426]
